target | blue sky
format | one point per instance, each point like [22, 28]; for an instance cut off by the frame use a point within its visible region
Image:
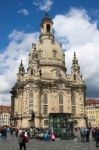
[76, 25]
[11, 19]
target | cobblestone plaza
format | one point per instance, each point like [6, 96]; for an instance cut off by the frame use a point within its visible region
[11, 143]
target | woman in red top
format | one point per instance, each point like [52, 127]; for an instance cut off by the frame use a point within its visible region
[22, 140]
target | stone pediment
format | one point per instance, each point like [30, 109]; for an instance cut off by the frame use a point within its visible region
[30, 84]
[62, 83]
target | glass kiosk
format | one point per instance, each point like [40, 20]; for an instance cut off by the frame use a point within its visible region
[62, 125]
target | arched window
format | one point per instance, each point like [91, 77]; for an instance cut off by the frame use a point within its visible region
[48, 27]
[30, 97]
[31, 71]
[73, 101]
[60, 99]
[45, 103]
[30, 102]
[61, 102]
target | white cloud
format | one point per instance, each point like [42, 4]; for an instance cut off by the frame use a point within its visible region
[75, 30]
[18, 48]
[79, 33]
[5, 98]
[43, 4]
[23, 11]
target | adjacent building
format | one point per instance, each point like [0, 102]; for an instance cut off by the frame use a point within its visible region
[92, 112]
[46, 89]
[5, 112]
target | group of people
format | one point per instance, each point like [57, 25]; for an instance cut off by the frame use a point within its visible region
[84, 134]
[3, 132]
[24, 137]
[44, 134]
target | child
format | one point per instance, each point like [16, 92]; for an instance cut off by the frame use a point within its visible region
[52, 136]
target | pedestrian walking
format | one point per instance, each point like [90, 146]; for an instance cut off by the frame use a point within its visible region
[82, 134]
[87, 133]
[22, 141]
[97, 136]
[16, 132]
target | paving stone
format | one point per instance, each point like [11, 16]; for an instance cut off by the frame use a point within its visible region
[11, 143]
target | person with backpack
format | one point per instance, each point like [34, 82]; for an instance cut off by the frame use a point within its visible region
[22, 141]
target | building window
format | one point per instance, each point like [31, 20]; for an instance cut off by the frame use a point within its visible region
[30, 102]
[60, 108]
[30, 110]
[31, 71]
[48, 28]
[45, 109]
[30, 97]
[46, 122]
[45, 103]
[61, 99]
[73, 101]
[60, 102]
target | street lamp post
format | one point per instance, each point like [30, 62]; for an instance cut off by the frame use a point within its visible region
[16, 118]
[40, 117]
[33, 117]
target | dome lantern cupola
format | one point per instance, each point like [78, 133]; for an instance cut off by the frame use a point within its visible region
[46, 27]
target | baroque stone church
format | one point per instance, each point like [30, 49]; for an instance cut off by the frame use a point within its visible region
[46, 88]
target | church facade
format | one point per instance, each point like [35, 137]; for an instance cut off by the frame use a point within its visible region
[46, 87]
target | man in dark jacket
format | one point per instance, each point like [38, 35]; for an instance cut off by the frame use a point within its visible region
[22, 141]
[97, 136]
